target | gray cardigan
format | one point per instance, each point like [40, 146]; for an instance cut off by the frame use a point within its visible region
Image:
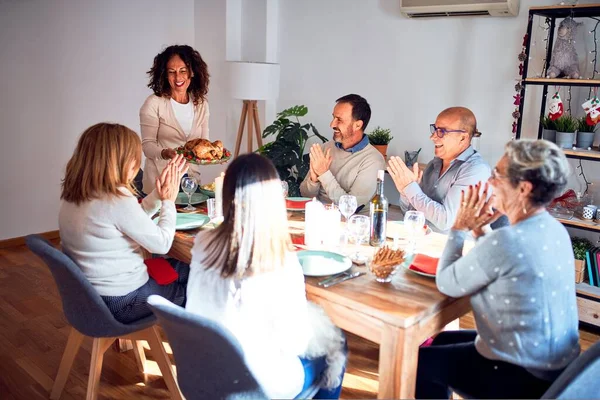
[521, 280]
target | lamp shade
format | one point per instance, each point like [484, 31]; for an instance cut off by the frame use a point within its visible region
[253, 80]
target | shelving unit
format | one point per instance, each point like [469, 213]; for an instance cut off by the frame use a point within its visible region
[588, 297]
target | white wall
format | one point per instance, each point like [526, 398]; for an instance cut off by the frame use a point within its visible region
[65, 65]
[409, 70]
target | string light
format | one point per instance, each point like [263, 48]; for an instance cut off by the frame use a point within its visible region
[581, 173]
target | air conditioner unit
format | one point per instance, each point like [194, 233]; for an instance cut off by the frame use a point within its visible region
[459, 8]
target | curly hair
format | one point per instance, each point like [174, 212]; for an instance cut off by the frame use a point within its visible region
[540, 162]
[159, 82]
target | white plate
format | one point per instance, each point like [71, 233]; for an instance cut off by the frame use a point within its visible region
[397, 228]
[322, 263]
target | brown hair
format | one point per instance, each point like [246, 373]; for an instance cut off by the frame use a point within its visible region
[101, 162]
[254, 236]
[159, 82]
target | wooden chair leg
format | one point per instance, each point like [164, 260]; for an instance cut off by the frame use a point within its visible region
[99, 346]
[162, 359]
[73, 344]
[140, 355]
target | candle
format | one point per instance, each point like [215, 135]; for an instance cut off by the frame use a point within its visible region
[332, 219]
[219, 194]
[313, 218]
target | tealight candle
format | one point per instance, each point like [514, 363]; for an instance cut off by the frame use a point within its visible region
[313, 219]
[219, 194]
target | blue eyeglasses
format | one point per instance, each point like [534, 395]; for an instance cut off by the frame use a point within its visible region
[441, 132]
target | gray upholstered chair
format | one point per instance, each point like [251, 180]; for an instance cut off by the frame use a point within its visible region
[89, 316]
[581, 379]
[210, 361]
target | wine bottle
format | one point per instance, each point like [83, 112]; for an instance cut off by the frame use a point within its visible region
[378, 209]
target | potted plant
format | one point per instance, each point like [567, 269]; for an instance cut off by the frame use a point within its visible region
[566, 126]
[287, 150]
[548, 129]
[585, 134]
[380, 138]
[580, 245]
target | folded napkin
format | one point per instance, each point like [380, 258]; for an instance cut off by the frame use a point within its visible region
[161, 271]
[298, 204]
[425, 264]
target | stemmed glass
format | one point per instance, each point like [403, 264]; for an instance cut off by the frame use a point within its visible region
[347, 205]
[189, 185]
[413, 223]
[285, 187]
[359, 229]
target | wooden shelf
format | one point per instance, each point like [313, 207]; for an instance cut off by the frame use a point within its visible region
[576, 222]
[561, 82]
[588, 290]
[593, 154]
[581, 10]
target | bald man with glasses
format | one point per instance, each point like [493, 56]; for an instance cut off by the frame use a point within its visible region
[436, 190]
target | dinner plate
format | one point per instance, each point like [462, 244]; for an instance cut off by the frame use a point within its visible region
[296, 203]
[187, 221]
[397, 228]
[207, 192]
[322, 263]
[408, 262]
[197, 198]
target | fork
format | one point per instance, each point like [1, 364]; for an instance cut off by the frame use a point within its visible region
[332, 278]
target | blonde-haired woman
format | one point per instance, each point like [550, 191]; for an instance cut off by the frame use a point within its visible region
[244, 275]
[103, 228]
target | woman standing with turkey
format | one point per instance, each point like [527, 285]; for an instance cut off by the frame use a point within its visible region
[177, 111]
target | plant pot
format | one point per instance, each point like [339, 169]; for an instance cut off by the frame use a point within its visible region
[549, 134]
[382, 148]
[565, 139]
[584, 139]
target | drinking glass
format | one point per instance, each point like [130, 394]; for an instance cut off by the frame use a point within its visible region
[211, 208]
[359, 228]
[347, 205]
[413, 223]
[189, 185]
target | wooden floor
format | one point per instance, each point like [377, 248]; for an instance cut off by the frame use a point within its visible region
[33, 334]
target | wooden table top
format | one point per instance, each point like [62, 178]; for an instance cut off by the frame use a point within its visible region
[406, 300]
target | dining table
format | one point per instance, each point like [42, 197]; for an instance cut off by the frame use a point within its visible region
[399, 315]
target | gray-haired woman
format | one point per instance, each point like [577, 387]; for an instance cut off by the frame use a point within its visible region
[521, 282]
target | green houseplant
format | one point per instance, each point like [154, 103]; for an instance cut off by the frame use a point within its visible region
[380, 138]
[287, 150]
[585, 134]
[580, 245]
[548, 129]
[565, 131]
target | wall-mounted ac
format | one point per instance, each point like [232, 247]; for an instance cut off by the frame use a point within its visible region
[459, 8]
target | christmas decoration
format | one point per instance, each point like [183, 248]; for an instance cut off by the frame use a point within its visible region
[592, 111]
[555, 109]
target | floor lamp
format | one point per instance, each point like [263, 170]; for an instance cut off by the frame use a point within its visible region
[250, 82]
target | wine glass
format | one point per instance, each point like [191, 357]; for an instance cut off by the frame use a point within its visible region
[359, 228]
[413, 223]
[347, 205]
[189, 185]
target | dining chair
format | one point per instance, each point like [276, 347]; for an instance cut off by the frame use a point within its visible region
[580, 380]
[210, 360]
[90, 317]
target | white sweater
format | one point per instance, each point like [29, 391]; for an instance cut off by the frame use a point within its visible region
[271, 318]
[105, 238]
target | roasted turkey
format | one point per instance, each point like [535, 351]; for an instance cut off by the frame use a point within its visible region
[204, 149]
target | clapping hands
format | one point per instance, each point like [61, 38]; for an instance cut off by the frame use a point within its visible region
[475, 210]
[319, 161]
[402, 175]
[167, 184]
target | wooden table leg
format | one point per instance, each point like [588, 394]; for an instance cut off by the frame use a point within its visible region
[398, 355]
